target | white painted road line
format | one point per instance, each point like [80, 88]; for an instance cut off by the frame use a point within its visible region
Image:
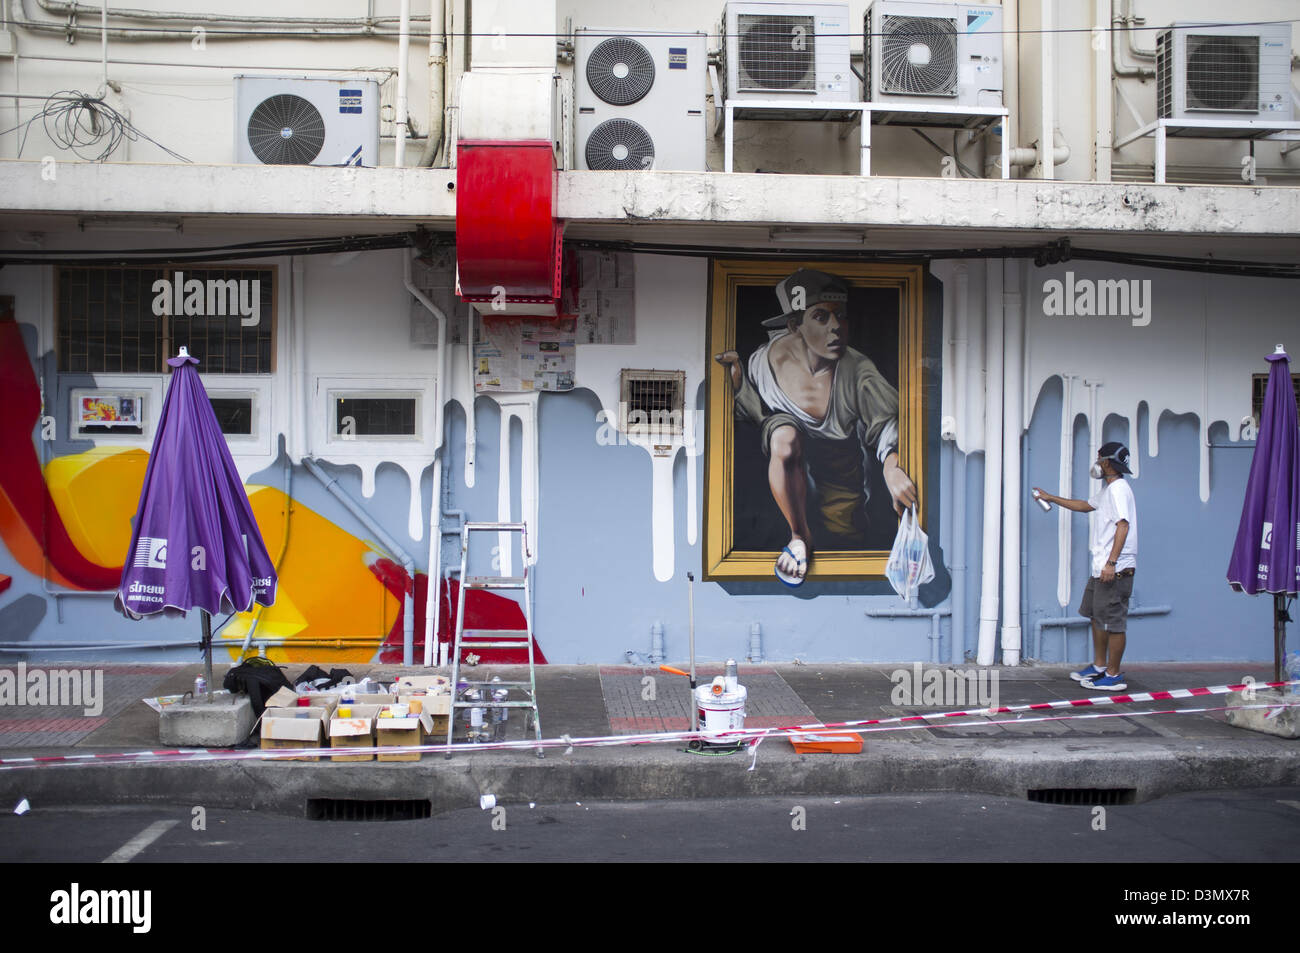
[1294, 804]
[139, 842]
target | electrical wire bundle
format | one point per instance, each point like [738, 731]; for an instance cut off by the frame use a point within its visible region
[86, 125]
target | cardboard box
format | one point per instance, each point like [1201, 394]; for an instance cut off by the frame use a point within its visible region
[429, 704]
[434, 684]
[374, 698]
[394, 732]
[294, 728]
[356, 731]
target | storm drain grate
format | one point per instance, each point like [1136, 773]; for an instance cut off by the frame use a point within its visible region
[1088, 796]
[339, 809]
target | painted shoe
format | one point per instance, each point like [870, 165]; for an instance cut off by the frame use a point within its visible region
[1083, 674]
[1106, 683]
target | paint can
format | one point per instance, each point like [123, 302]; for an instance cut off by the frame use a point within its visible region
[1047, 507]
[721, 712]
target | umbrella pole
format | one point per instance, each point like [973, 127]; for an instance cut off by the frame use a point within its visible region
[207, 648]
[1279, 634]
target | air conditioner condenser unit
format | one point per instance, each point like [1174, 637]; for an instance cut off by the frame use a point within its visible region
[1221, 71]
[929, 53]
[794, 52]
[300, 121]
[640, 100]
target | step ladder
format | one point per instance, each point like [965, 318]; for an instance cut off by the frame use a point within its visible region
[494, 638]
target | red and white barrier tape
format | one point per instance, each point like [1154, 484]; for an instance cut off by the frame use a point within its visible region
[752, 735]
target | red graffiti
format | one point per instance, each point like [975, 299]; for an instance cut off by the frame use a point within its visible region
[22, 485]
[483, 610]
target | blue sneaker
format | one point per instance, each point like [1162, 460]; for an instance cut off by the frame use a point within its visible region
[1106, 683]
[1083, 674]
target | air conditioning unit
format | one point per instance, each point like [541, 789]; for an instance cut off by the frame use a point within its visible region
[932, 53]
[292, 121]
[640, 100]
[1219, 72]
[791, 52]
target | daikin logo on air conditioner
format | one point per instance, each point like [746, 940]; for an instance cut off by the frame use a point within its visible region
[975, 19]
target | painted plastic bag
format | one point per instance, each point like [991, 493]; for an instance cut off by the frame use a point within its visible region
[909, 565]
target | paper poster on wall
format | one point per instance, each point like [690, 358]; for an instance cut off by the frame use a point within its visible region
[606, 298]
[523, 354]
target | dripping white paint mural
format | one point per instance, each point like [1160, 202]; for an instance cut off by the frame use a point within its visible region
[670, 304]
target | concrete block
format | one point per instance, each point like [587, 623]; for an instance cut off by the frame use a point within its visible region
[226, 721]
[1284, 723]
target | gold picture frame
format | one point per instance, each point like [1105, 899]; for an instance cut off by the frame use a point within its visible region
[743, 524]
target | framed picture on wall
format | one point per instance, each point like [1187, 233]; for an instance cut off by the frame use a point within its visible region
[815, 436]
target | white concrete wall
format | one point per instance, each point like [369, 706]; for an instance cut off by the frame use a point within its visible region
[183, 96]
[178, 90]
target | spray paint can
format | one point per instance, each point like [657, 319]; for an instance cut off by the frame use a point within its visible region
[200, 686]
[1047, 507]
[731, 679]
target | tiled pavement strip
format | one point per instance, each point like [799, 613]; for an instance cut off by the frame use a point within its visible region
[44, 726]
[779, 695]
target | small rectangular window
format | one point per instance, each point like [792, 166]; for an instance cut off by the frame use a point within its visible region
[107, 412]
[1259, 387]
[358, 416]
[235, 415]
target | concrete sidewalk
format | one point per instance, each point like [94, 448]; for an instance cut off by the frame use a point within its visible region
[1141, 757]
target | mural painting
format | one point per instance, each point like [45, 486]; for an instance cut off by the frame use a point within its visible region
[815, 418]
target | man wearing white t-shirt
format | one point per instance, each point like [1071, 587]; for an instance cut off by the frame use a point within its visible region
[1114, 560]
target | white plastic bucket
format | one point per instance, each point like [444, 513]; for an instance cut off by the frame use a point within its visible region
[718, 713]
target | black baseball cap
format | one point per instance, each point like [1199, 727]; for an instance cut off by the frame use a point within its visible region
[1117, 454]
[817, 286]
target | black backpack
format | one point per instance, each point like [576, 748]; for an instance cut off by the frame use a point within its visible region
[259, 678]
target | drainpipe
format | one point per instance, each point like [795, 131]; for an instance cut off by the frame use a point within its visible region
[1044, 167]
[1065, 479]
[1094, 434]
[1012, 426]
[437, 62]
[960, 384]
[351, 505]
[933, 614]
[432, 602]
[471, 436]
[1125, 22]
[992, 461]
[301, 445]
[1010, 72]
[1065, 621]
[403, 53]
[1102, 104]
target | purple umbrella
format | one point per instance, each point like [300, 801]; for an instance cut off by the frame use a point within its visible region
[1264, 558]
[195, 543]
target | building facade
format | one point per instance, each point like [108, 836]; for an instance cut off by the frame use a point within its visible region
[470, 260]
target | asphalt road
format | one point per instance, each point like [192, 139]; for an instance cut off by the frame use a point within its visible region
[1243, 826]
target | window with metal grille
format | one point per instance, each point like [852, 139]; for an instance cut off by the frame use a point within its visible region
[651, 401]
[388, 416]
[1259, 387]
[120, 320]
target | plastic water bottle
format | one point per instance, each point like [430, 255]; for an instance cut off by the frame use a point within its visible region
[1292, 668]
